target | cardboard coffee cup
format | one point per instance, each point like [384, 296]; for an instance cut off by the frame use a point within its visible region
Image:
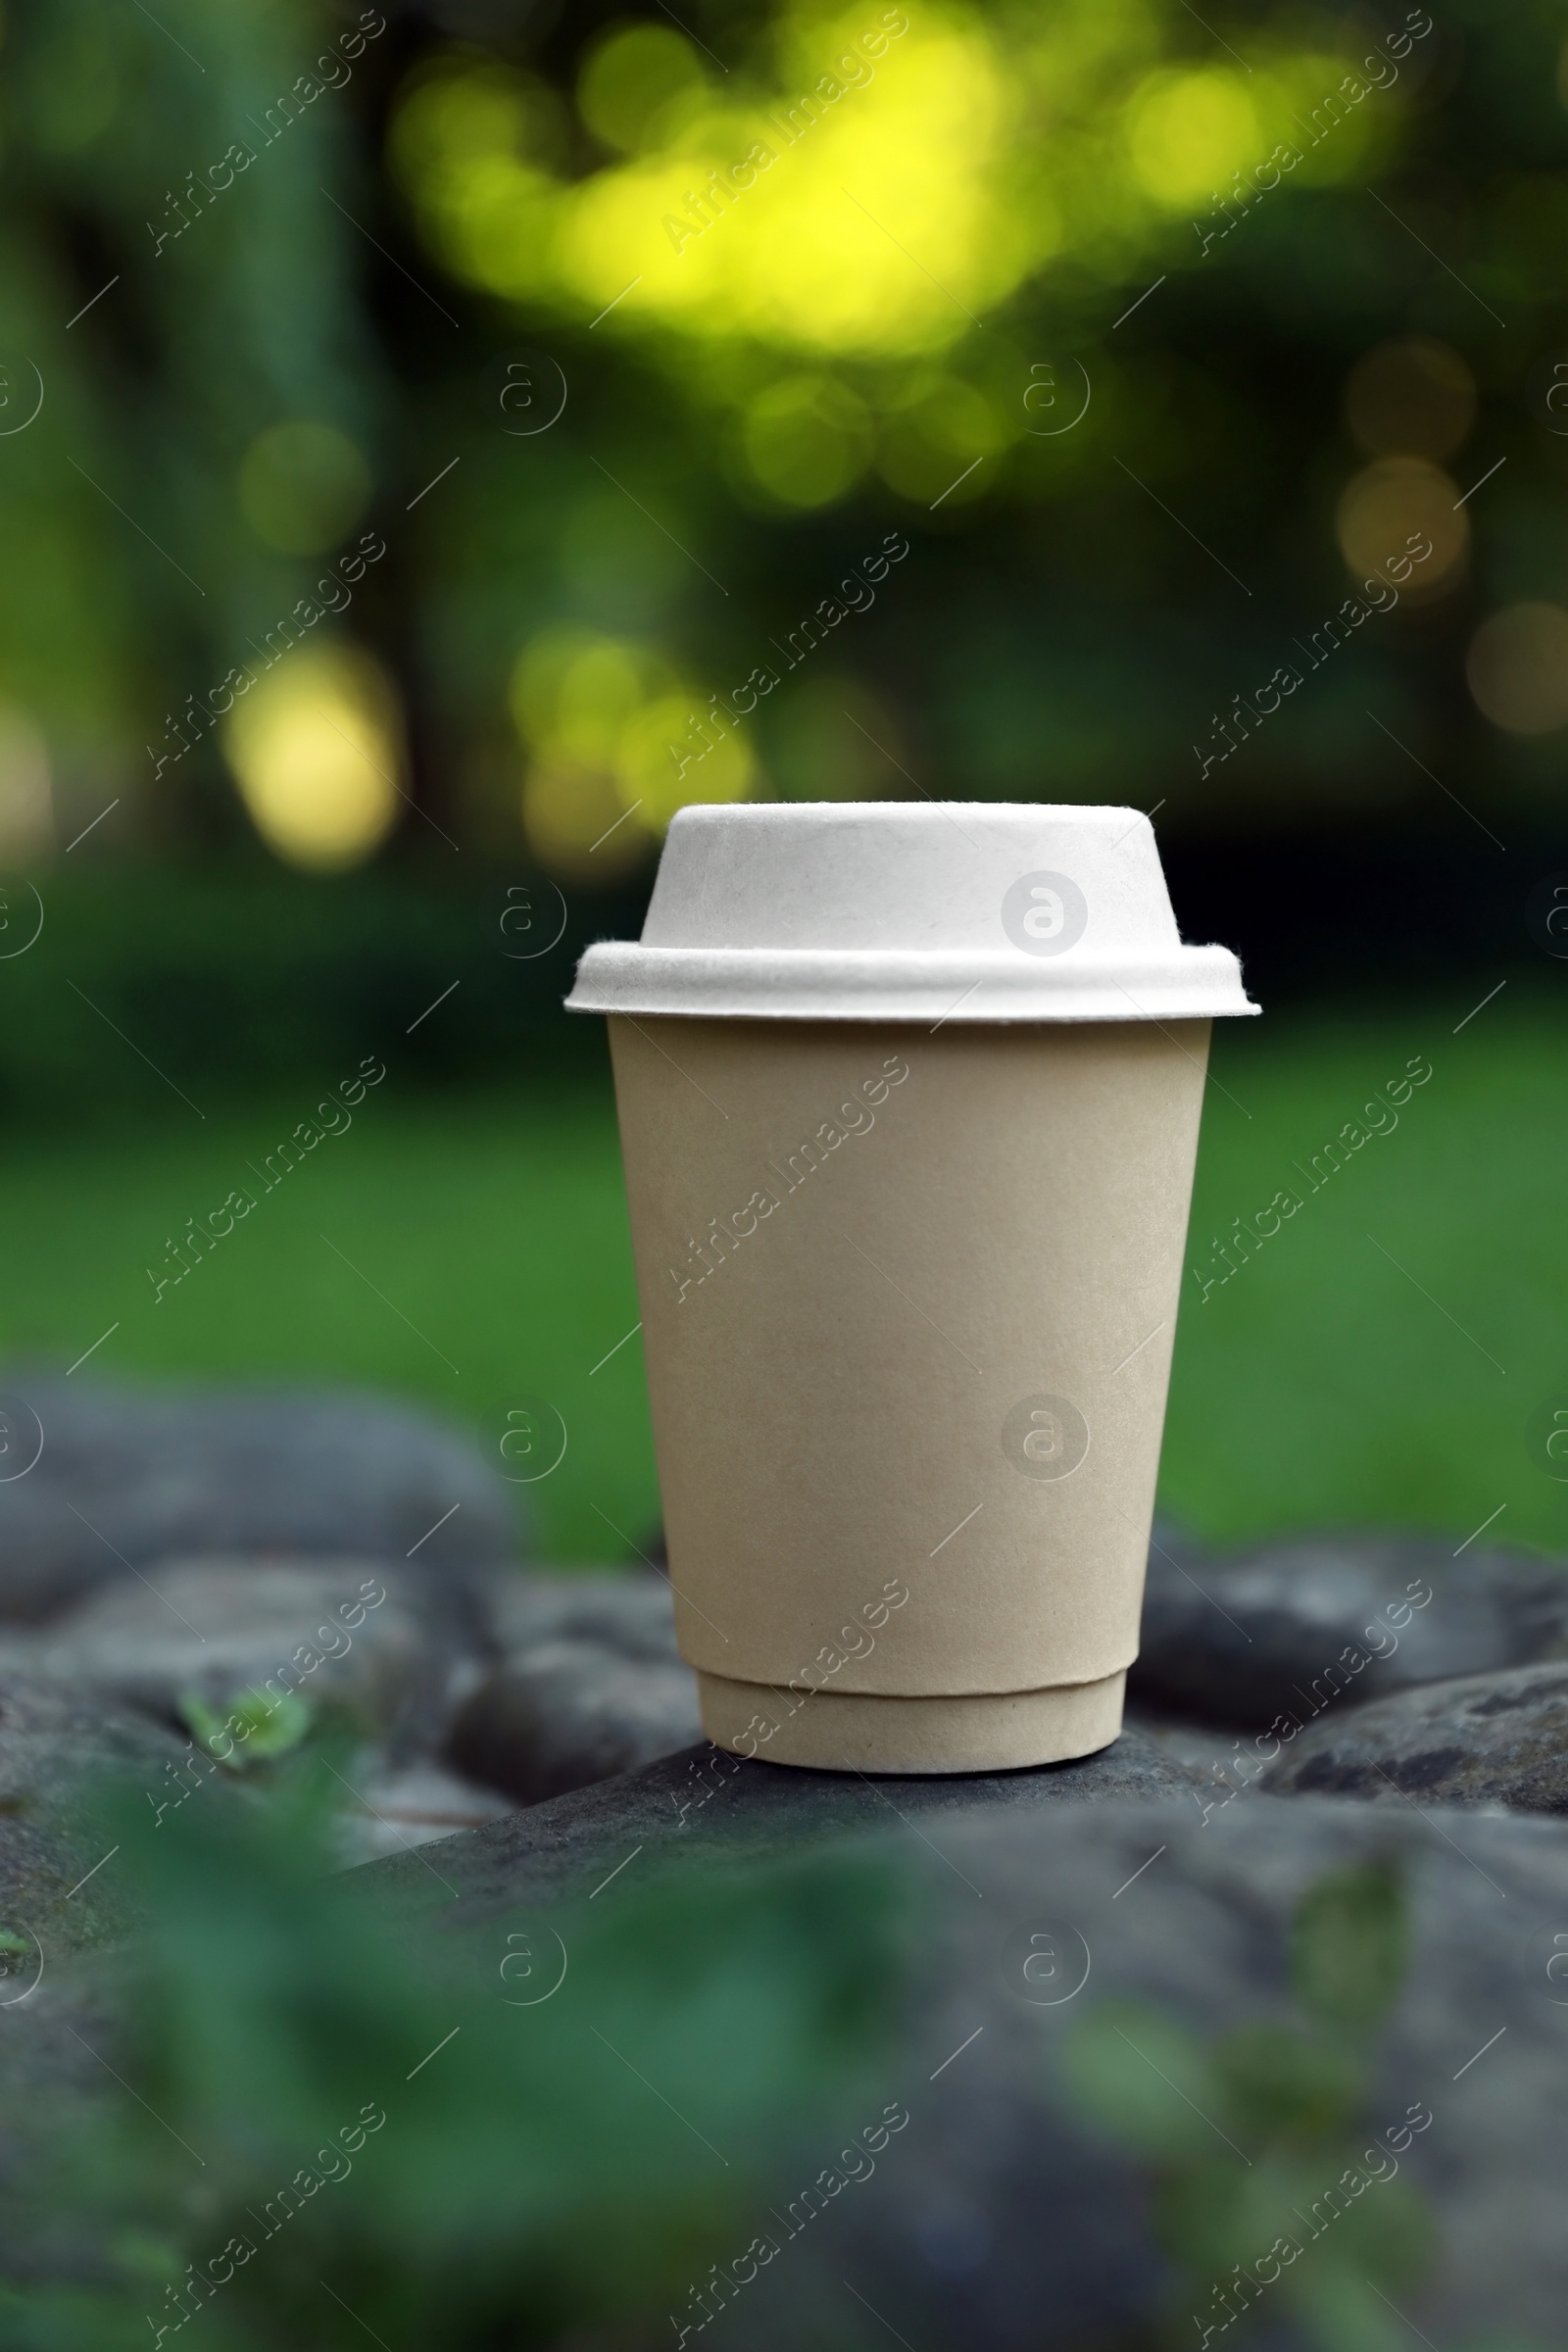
[908, 1104]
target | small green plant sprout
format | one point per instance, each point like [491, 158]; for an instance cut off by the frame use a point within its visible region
[1272, 2180]
[251, 1728]
[1349, 1948]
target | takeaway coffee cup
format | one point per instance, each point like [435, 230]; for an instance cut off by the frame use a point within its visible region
[908, 1104]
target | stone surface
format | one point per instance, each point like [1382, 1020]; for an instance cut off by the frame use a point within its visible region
[219, 1627]
[567, 1712]
[1000, 2220]
[704, 1797]
[1277, 1630]
[56, 2047]
[55, 1746]
[50, 1738]
[1206, 1746]
[590, 1683]
[392, 1809]
[625, 1610]
[1481, 1739]
[127, 1478]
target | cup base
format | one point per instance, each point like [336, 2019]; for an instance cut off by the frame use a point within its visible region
[849, 1731]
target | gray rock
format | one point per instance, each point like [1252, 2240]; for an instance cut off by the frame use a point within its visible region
[217, 1628]
[705, 1796]
[56, 1748]
[56, 2047]
[1278, 1631]
[1206, 1746]
[51, 1739]
[391, 1809]
[1003, 2218]
[591, 1683]
[1481, 1739]
[629, 1613]
[567, 1712]
[127, 1478]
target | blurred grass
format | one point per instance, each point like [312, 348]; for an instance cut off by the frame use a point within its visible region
[1324, 1386]
[1319, 1386]
[496, 1225]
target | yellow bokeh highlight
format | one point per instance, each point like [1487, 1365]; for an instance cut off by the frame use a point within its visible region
[1395, 499]
[867, 193]
[657, 742]
[806, 439]
[636, 82]
[864, 205]
[1517, 666]
[867, 221]
[1187, 133]
[1319, 116]
[26, 795]
[1201, 141]
[573, 691]
[935, 434]
[576, 825]
[473, 145]
[315, 749]
[617, 742]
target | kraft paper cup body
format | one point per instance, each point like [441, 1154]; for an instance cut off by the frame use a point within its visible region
[907, 1306]
[909, 1294]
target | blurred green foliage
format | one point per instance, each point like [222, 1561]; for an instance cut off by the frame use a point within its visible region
[132, 572]
[1349, 1949]
[148, 981]
[256, 1727]
[1297, 2184]
[802, 276]
[508, 2130]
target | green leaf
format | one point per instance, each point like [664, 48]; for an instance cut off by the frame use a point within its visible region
[1278, 2083]
[1344, 2314]
[1388, 2240]
[251, 1729]
[1350, 1946]
[1144, 2081]
[1216, 2212]
[1381, 2231]
[1315, 2235]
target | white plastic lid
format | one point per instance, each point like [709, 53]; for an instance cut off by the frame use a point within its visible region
[857, 911]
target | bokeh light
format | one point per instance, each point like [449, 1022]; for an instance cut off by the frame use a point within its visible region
[476, 144]
[315, 748]
[938, 426]
[1187, 133]
[1517, 666]
[26, 806]
[639, 82]
[806, 439]
[861, 204]
[577, 824]
[656, 739]
[617, 741]
[574, 690]
[1386, 503]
